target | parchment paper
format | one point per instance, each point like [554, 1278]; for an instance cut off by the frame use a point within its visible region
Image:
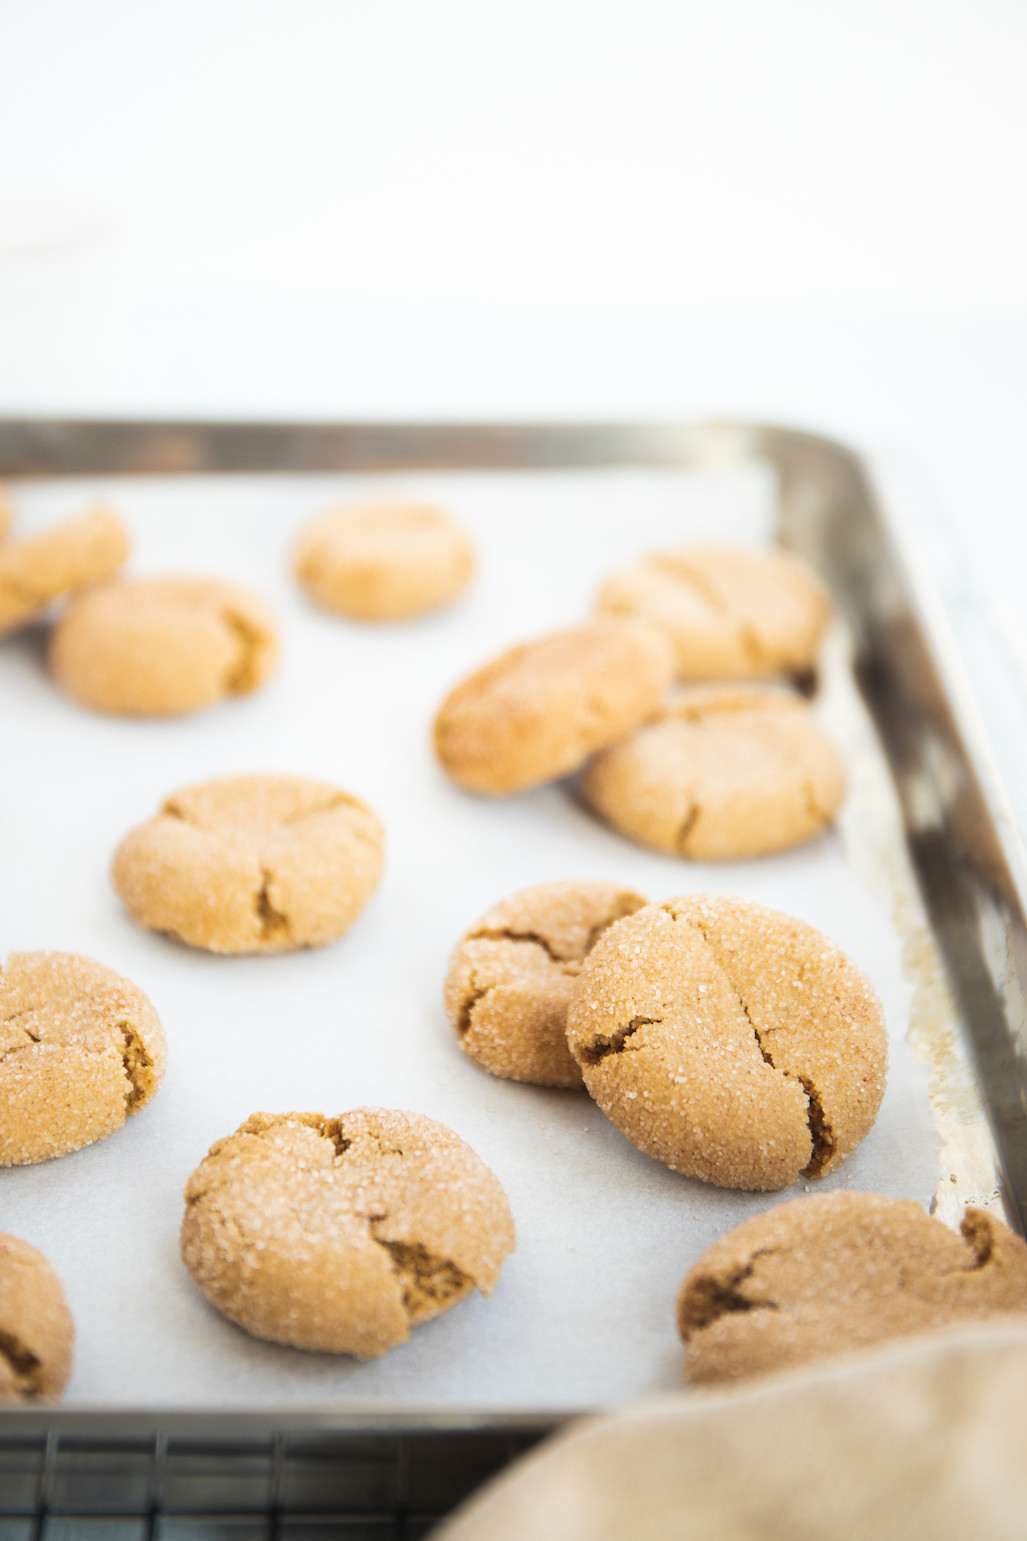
[583, 1314]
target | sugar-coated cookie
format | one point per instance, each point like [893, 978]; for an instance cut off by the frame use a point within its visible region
[161, 647]
[384, 562]
[340, 1234]
[255, 863]
[838, 1271]
[36, 571]
[81, 1049]
[730, 613]
[36, 1329]
[510, 977]
[721, 771]
[538, 711]
[731, 1042]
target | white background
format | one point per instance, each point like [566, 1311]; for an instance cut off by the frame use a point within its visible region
[808, 210]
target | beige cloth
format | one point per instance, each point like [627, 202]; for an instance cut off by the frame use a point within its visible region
[926, 1439]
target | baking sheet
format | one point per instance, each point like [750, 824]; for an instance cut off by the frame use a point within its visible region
[583, 1314]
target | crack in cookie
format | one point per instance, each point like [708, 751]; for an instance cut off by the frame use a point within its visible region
[340, 1234]
[836, 1272]
[510, 977]
[763, 1053]
[252, 864]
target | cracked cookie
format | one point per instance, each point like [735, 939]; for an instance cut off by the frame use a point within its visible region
[828, 1274]
[539, 710]
[384, 562]
[81, 1049]
[36, 1329]
[730, 613]
[254, 863]
[340, 1234]
[721, 772]
[510, 977]
[36, 571]
[161, 647]
[731, 1042]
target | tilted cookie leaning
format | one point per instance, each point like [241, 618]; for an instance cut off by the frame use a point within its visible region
[539, 710]
[256, 863]
[68, 556]
[510, 977]
[81, 1050]
[834, 1272]
[340, 1234]
[162, 647]
[731, 1042]
[384, 561]
[720, 772]
[36, 1329]
[730, 612]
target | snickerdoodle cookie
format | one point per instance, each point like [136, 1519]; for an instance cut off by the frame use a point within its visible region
[36, 1330]
[161, 647]
[80, 1050]
[838, 1271]
[721, 771]
[730, 1041]
[36, 571]
[729, 612]
[539, 710]
[256, 863]
[340, 1234]
[510, 977]
[384, 562]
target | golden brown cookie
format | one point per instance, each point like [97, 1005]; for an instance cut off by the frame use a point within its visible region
[252, 864]
[730, 1041]
[35, 572]
[36, 1329]
[538, 711]
[81, 1049]
[510, 977]
[838, 1271]
[160, 647]
[384, 562]
[340, 1234]
[729, 612]
[722, 771]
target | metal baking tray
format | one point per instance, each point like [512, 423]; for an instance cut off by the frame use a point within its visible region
[68, 1473]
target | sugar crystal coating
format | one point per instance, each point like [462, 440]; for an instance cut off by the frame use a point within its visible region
[732, 1042]
[832, 1272]
[256, 863]
[510, 977]
[81, 1049]
[339, 1234]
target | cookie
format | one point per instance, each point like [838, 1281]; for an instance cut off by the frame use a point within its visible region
[731, 1042]
[839, 1271]
[384, 562]
[730, 613]
[510, 977]
[538, 711]
[36, 1330]
[161, 647]
[340, 1234]
[81, 1049]
[722, 771]
[252, 864]
[35, 572]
